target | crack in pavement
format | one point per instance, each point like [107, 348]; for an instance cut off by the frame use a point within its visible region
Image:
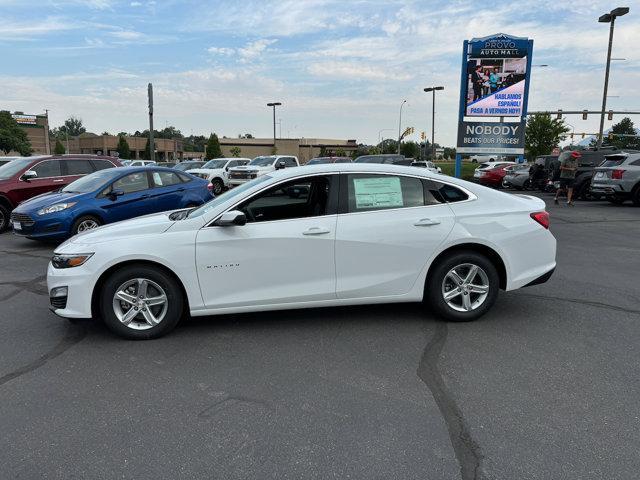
[26, 253]
[580, 302]
[467, 450]
[31, 286]
[73, 336]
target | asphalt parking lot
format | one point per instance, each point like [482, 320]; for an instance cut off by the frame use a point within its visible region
[545, 386]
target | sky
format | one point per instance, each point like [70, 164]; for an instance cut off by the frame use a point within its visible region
[341, 68]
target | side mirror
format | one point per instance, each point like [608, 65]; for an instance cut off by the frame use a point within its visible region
[226, 169]
[231, 218]
[280, 165]
[28, 175]
[115, 194]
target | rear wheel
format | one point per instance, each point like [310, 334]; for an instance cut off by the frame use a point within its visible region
[141, 302]
[463, 286]
[4, 218]
[85, 223]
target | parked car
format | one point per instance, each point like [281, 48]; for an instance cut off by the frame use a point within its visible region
[260, 166]
[323, 160]
[141, 163]
[477, 173]
[26, 177]
[188, 165]
[517, 176]
[432, 167]
[492, 177]
[105, 197]
[5, 160]
[217, 172]
[356, 234]
[618, 178]
[388, 158]
[486, 158]
[166, 164]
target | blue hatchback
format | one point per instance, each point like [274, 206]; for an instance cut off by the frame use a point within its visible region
[107, 196]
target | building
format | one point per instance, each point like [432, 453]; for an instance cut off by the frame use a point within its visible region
[37, 128]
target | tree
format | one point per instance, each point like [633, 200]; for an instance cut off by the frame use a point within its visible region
[449, 152]
[340, 152]
[543, 134]
[123, 149]
[410, 149]
[12, 137]
[213, 148]
[235, 151]
[388, 145]
[246, 135]
[106, 133]
[59, 148]
[623, 127]
[323, 151]
[72, 127]
[146, 155]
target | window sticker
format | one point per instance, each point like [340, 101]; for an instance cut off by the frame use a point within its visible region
[378, 192]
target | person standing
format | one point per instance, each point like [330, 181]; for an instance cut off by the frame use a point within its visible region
[476, 80]
[494, 80]
[568, 169]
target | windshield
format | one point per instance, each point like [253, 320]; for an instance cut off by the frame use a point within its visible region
[91, 182]
[8, 170]
[215, 164]
[262, 161]
[227, 195]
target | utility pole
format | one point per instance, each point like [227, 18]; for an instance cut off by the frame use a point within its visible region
[152, 146]
[274, 105]
[400, 125]
[433, 119]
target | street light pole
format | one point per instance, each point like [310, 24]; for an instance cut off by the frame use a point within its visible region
[609, 18]
[433, 119]
[274, 105]
[400, 124]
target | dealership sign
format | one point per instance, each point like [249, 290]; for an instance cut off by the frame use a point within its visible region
[24, 119]
[491, 137]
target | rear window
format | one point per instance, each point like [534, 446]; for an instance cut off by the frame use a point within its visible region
[367, 192]
[78, 167]
[613, 161]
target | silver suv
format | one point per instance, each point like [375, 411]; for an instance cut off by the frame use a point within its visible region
[618, 178]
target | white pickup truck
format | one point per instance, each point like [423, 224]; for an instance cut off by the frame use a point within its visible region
[260, 166]
[217, 172]
[485, 158]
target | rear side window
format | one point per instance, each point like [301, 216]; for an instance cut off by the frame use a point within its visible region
[164, 179]
[48, 168]
[636, 163]
[367, 192]
[101, 164]
[446, 193]
[134, 182]
[78, 167]
[184, 178]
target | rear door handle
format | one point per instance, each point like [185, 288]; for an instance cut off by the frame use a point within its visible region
[426, 222]
[316, 231]
[58, 180]
[145, 196]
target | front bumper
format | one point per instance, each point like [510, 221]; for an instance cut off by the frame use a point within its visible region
[79, 283]
[43, 227]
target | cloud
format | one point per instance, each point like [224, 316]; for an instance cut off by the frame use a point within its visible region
[249, 52]
[10, 29]
[356, 71]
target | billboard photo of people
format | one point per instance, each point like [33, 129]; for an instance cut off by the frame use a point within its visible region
[496, 77]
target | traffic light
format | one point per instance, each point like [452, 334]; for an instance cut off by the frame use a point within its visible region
[572, 137]
[610, 135]
[584, 114]
[559, 114]
[423, 135]
[610, 116]
[583, 135]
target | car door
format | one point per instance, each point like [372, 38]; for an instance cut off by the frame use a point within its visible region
[284, 254]
[167, 192]
[49, 178]
[388, 226]
[133, 200]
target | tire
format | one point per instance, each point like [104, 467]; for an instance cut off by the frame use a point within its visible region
[615, 200]
[159, 320]
[527, 185]
[4, 218]
[218, 186]
[583, 191]
[85, 223]
[440, 281]
[635, 196]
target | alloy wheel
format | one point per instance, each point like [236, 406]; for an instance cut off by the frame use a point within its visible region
[465, 287]
[88, 224]
[140, 303]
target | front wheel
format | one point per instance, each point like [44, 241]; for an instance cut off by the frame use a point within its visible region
[463, 286]
[85, 223]
[4, 218]
[141, 302]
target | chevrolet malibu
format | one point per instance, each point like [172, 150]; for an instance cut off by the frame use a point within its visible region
[337, 234]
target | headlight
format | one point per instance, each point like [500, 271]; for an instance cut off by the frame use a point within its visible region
[61, 260]
[56, 208]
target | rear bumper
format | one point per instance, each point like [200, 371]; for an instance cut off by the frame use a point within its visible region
[609, 189]
[542, 278]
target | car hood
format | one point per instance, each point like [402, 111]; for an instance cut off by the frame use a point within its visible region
[251, 168]
[153, 224]
[207, 171]
[47, 199]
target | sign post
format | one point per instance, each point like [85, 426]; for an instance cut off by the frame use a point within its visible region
[494, 85]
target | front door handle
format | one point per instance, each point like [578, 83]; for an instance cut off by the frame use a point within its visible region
[426, 222]
[316, 231]
[144, 196]
[58, 180]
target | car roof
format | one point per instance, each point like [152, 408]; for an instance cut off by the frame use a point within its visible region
[357, 168]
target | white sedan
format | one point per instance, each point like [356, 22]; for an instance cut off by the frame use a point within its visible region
[337, 234]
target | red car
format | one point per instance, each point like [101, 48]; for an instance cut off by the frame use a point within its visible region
[26, 177]
[493, 177]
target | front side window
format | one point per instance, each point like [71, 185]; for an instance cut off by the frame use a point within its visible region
[102, 164]
[262, 161]
[134, 182]
[367, 192]
[289, 161]
[215, 164]
[48, 168]
[307, 197]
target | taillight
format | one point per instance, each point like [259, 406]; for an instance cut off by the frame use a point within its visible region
[617, 174]
[210, 187]
[542, 218]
